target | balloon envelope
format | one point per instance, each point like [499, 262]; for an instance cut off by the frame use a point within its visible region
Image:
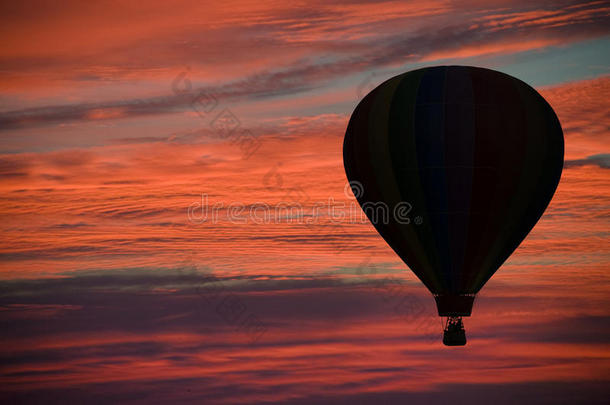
[466, 160]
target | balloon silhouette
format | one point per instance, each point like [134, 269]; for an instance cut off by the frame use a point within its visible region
[473, 155]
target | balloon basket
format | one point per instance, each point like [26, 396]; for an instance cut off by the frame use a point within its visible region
[454, 333]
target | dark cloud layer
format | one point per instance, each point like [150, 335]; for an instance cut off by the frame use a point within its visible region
[136, 308]
[199, 391]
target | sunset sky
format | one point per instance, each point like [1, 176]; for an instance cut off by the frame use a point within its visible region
[119, 121]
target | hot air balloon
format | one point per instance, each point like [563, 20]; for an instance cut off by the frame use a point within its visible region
[474, 154]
